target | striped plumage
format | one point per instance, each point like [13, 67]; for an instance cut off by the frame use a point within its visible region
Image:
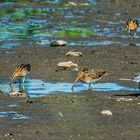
[132, 25]
[21, 71]
[89, 76]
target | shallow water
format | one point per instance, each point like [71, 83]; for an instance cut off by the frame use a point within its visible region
[90, 23]
[12, 115]
[39, 88]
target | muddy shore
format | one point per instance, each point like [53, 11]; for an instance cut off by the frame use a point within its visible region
[97, 27]
[74, 116]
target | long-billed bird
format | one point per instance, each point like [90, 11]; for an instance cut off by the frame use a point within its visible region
[131, 25]
[21, 71]
[89, 76]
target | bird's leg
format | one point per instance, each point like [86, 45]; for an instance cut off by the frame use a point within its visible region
[89, 85]
[129, 33]
[94, 86]
[139, 85]
[11, 80]
[134, 35]
[11, 86]
[23, 80]
[74, 83]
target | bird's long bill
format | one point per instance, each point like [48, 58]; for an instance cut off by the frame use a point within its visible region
[76, 81]
[139, 85]
[11, 80]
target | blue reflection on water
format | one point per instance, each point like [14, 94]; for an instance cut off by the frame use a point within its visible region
[34, 20]
[38, 88]
[13, 115]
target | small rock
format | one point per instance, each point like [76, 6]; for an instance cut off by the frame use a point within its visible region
[37, 132]
[124, 99]
[8, 134]
[17, 94]
[58, 43]
[109, 97]
[67, 64]
[60, 114]
[87, 100]
[106, 112]
[73, 101]
[73, 53]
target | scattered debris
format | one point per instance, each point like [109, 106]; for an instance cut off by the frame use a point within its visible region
[106, 112]
[8, 134]
[67, 64]
[73, 101]
[58, 43]
[73, 53]
[124, 99]
[17, 94]
[37, 132]
[109, 97]
[60, 114]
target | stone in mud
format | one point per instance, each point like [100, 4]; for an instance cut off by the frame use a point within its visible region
[58, 43]
[8, 134]
[106, 112]
[73, 53]
[67, 64]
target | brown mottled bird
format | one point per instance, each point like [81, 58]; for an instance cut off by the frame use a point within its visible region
[89, 76]
[131, 25]
[21, 71]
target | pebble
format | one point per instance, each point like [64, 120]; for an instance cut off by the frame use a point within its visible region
[73, 53]
[15, 93]
[8, 134]
[124, 99]
[73, 101]
[60, 114]
[106, 112]
[58, 43]
[67, 64]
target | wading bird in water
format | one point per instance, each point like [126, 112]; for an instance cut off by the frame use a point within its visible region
[131, 25]
[21, 71]
[89, 76]
[135, 78]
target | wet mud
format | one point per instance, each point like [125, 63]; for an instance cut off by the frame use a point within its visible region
[51, 110]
